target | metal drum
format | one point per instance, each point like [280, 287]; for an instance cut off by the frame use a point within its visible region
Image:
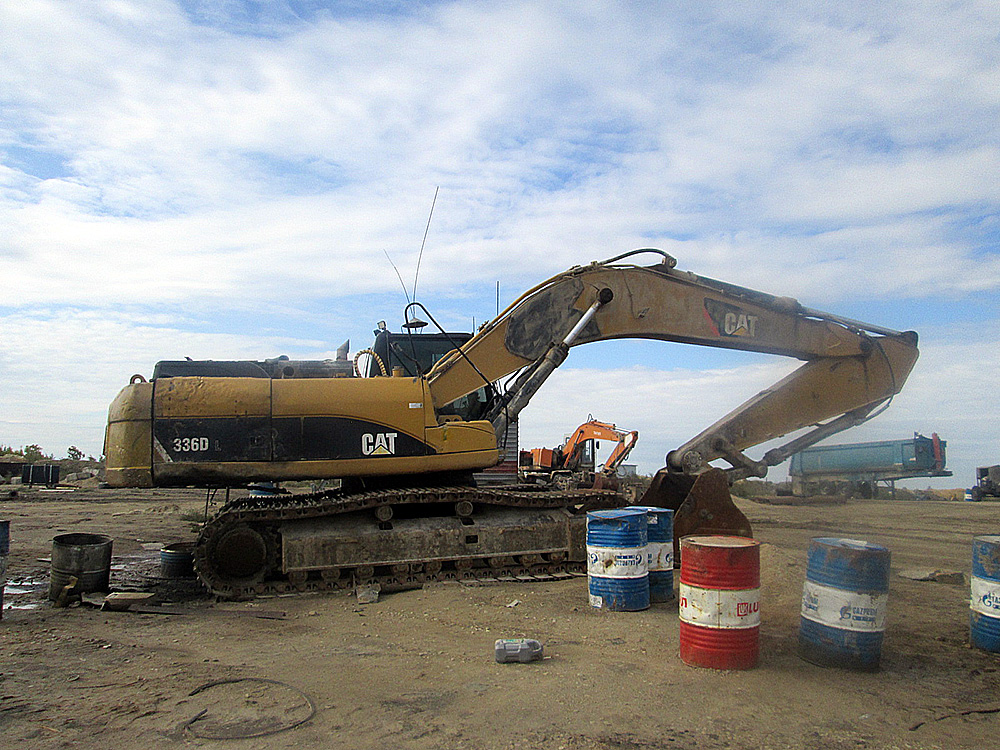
[984, 629]
[177, 560]
[85, 557]
[617, 568]
[4, 551]
[659, 551]
[844, 603]
[719, 603]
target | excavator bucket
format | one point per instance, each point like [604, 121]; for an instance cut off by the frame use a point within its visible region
[604, 482]
[701, 505]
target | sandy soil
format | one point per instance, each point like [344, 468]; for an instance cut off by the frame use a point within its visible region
[416, 669]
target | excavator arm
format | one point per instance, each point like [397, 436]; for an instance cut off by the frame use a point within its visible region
[625, 445]
[850, 367]
[589, 430]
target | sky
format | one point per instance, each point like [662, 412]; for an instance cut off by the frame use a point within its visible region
[240, 179]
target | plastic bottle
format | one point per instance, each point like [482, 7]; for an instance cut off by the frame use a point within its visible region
[517, 650]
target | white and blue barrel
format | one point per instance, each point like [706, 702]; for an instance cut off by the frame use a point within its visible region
[984, 625]
[617, 567]
[659, 552]
[4, 550]
[263, 490]
[844, 603]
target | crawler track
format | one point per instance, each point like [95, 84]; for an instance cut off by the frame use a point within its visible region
[238, 554]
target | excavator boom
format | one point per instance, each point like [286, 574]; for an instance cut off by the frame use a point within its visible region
[850, 367]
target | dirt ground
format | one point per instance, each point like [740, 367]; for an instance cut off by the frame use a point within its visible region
[416, 669]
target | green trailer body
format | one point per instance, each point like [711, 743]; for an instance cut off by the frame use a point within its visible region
[863, 465]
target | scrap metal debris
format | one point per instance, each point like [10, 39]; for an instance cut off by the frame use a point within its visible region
[120, 601]
[933, 574]
[368, 594]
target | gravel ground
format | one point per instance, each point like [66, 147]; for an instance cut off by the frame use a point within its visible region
[416, 668]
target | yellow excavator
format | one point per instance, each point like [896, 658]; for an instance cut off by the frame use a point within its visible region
[405, 446]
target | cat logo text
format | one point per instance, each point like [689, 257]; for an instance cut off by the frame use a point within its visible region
[379, 444]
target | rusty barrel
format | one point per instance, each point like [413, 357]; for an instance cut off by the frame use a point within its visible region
[984, 625]
[719, 602]
[844, 603]
[659, 551]
[85, 557]
[617, 568]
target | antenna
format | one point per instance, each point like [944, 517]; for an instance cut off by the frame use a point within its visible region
[397, 275]
[423, 242]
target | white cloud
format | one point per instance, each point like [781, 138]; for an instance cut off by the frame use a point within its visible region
[224, 156]
[924, 181]
[667, 407]
[61, 368]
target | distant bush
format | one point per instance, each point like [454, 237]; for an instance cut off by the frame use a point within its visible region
[30, 453]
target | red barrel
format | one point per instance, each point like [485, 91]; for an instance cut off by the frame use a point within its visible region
[719, 602]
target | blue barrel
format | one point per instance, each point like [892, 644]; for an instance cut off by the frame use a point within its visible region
[617, 568]
[844, 603]
[984, 629]
[177, 560]
[263, 489]
[659, 551]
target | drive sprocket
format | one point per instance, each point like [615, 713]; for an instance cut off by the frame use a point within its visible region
[233, 556]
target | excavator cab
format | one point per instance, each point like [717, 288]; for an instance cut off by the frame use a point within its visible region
[414, 354]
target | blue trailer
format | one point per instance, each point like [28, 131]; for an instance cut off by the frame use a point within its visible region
[861, 466]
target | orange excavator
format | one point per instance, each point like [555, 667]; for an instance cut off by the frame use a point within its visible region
[573, 463]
